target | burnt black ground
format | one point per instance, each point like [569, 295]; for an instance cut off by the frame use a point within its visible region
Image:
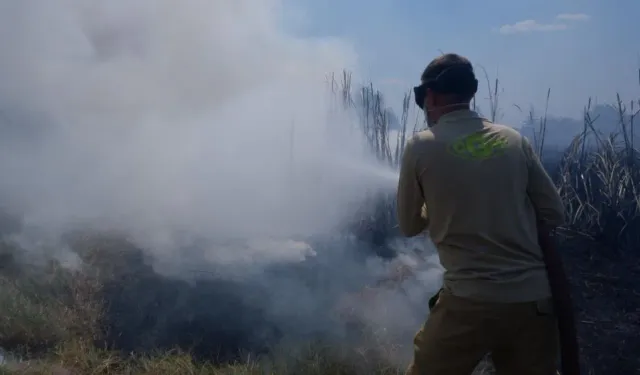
[606, 294]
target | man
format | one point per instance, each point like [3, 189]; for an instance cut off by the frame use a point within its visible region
[480, 191]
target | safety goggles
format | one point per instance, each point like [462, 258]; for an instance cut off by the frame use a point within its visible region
[420, 94]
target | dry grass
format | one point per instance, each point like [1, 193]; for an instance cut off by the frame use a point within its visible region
[54, 318]
[599, 180]
[43, 307]
[81, 358]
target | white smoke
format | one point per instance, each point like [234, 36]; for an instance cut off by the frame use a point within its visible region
[173, 120]
[157, 115]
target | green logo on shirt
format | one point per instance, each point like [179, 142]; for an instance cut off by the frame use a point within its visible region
[479, 146]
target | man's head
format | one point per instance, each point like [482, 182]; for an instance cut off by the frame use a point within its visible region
[448, 83]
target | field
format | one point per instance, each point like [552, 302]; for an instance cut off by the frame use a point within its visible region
[114, 315]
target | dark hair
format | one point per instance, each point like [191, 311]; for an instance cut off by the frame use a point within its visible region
[451, 74]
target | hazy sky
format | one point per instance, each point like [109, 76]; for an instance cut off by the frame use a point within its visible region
[577, 48]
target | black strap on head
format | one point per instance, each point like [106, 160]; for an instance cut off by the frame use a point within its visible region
[455, 79]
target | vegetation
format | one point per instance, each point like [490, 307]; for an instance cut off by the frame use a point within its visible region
[55, 317]
[65, 321]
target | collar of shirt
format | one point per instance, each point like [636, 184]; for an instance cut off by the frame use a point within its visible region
[458, 115]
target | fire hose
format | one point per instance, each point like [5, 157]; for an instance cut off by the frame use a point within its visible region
[563, 304]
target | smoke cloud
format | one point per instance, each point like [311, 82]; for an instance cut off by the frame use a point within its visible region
[201, 129]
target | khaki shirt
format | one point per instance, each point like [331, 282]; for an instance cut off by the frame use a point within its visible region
[478, 187]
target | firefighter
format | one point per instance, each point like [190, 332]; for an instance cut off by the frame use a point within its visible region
[480, 191]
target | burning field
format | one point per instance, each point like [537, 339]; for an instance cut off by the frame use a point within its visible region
[188, 190]
[190, 178]
[359, 308]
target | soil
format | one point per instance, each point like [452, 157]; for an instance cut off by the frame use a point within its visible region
[606, 296]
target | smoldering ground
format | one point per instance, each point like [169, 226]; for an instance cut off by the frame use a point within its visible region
[203, 134]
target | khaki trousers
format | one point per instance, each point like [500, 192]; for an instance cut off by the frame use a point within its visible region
[521, 337]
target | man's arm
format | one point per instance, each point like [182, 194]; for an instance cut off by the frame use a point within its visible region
[412, 217]
[542, 191]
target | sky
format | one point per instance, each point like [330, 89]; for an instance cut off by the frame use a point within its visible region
[577, 48]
